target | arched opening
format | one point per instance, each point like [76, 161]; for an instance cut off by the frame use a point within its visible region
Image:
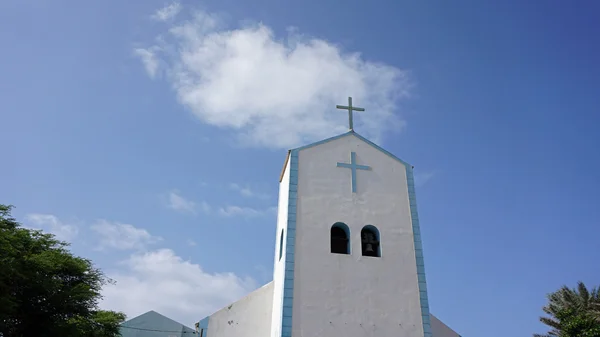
[340, 238]
[281, 245]
[369, 237]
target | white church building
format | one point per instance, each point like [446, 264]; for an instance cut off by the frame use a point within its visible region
[348, 256]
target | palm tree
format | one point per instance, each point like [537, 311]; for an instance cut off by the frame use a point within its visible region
[567, 301]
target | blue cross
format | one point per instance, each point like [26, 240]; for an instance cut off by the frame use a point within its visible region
[353, 167]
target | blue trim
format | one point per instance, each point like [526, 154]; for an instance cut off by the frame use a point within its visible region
[359, 137]
[286, 331]
[203, 324]
[353, 167]
[377, 237]
[346, 229]
[424, 299]
[281, 245]
[374, 229]
[288, 282]
[323, 141]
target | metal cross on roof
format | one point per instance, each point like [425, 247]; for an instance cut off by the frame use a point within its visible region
[350, 108]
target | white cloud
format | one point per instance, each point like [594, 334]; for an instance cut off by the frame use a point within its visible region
[181, 204]
[122, 236]
[275, 92]
[149, 59]
[155, 280]
[168, 12]
[162, 281]
[204, 207]
[52, 224]
[191, 242]
[248, 192]
[245, 211]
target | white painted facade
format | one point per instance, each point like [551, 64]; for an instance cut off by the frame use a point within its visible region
[352, 295]
[440, 329]
[280, 245]
[248, 317]
[335, 294]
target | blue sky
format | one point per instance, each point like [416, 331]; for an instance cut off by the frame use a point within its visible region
[152, 138]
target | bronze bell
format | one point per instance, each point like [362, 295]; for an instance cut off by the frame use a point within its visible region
[369, 248]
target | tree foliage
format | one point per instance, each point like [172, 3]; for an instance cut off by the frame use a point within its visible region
[573, 312]
[47, 291]
[574, 323]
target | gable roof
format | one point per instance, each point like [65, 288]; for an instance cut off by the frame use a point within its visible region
[152, 321]
[346, 134]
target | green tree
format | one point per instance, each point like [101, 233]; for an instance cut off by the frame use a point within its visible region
[578, 324]
[47, 291]
[572, 309]
[100, 323]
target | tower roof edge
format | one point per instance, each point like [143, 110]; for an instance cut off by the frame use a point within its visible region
[327, 140]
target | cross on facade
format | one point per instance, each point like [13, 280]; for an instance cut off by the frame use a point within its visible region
[350, 108]
[353, 167]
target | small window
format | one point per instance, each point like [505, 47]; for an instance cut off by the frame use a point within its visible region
[370, 241]
[340, 238]
[281, 245]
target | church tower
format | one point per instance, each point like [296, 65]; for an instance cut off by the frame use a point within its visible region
[348, 259]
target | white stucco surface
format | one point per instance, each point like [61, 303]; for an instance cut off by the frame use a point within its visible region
[333, 294]
[248, 317]
[279, 264]
[352, 295]
[439, 329]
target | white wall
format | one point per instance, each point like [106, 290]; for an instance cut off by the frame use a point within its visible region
[352, 295]
[248, 317]
[279, 265]
[439, 329]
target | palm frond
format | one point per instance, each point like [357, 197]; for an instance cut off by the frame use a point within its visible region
[551, 322]
[584, 294]
[566, 302]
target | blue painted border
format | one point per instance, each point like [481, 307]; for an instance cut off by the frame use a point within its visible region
[377, 237]
[281, 244]
[412, 197]
[424, 299]
[327, 140]
[203, 324]
[346, 229]
[288, 281]
[359, 137]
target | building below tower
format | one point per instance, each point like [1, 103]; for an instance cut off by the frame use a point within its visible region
[348, 259]
[251, 317]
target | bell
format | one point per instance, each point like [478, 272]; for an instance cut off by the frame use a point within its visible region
[369, 247]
